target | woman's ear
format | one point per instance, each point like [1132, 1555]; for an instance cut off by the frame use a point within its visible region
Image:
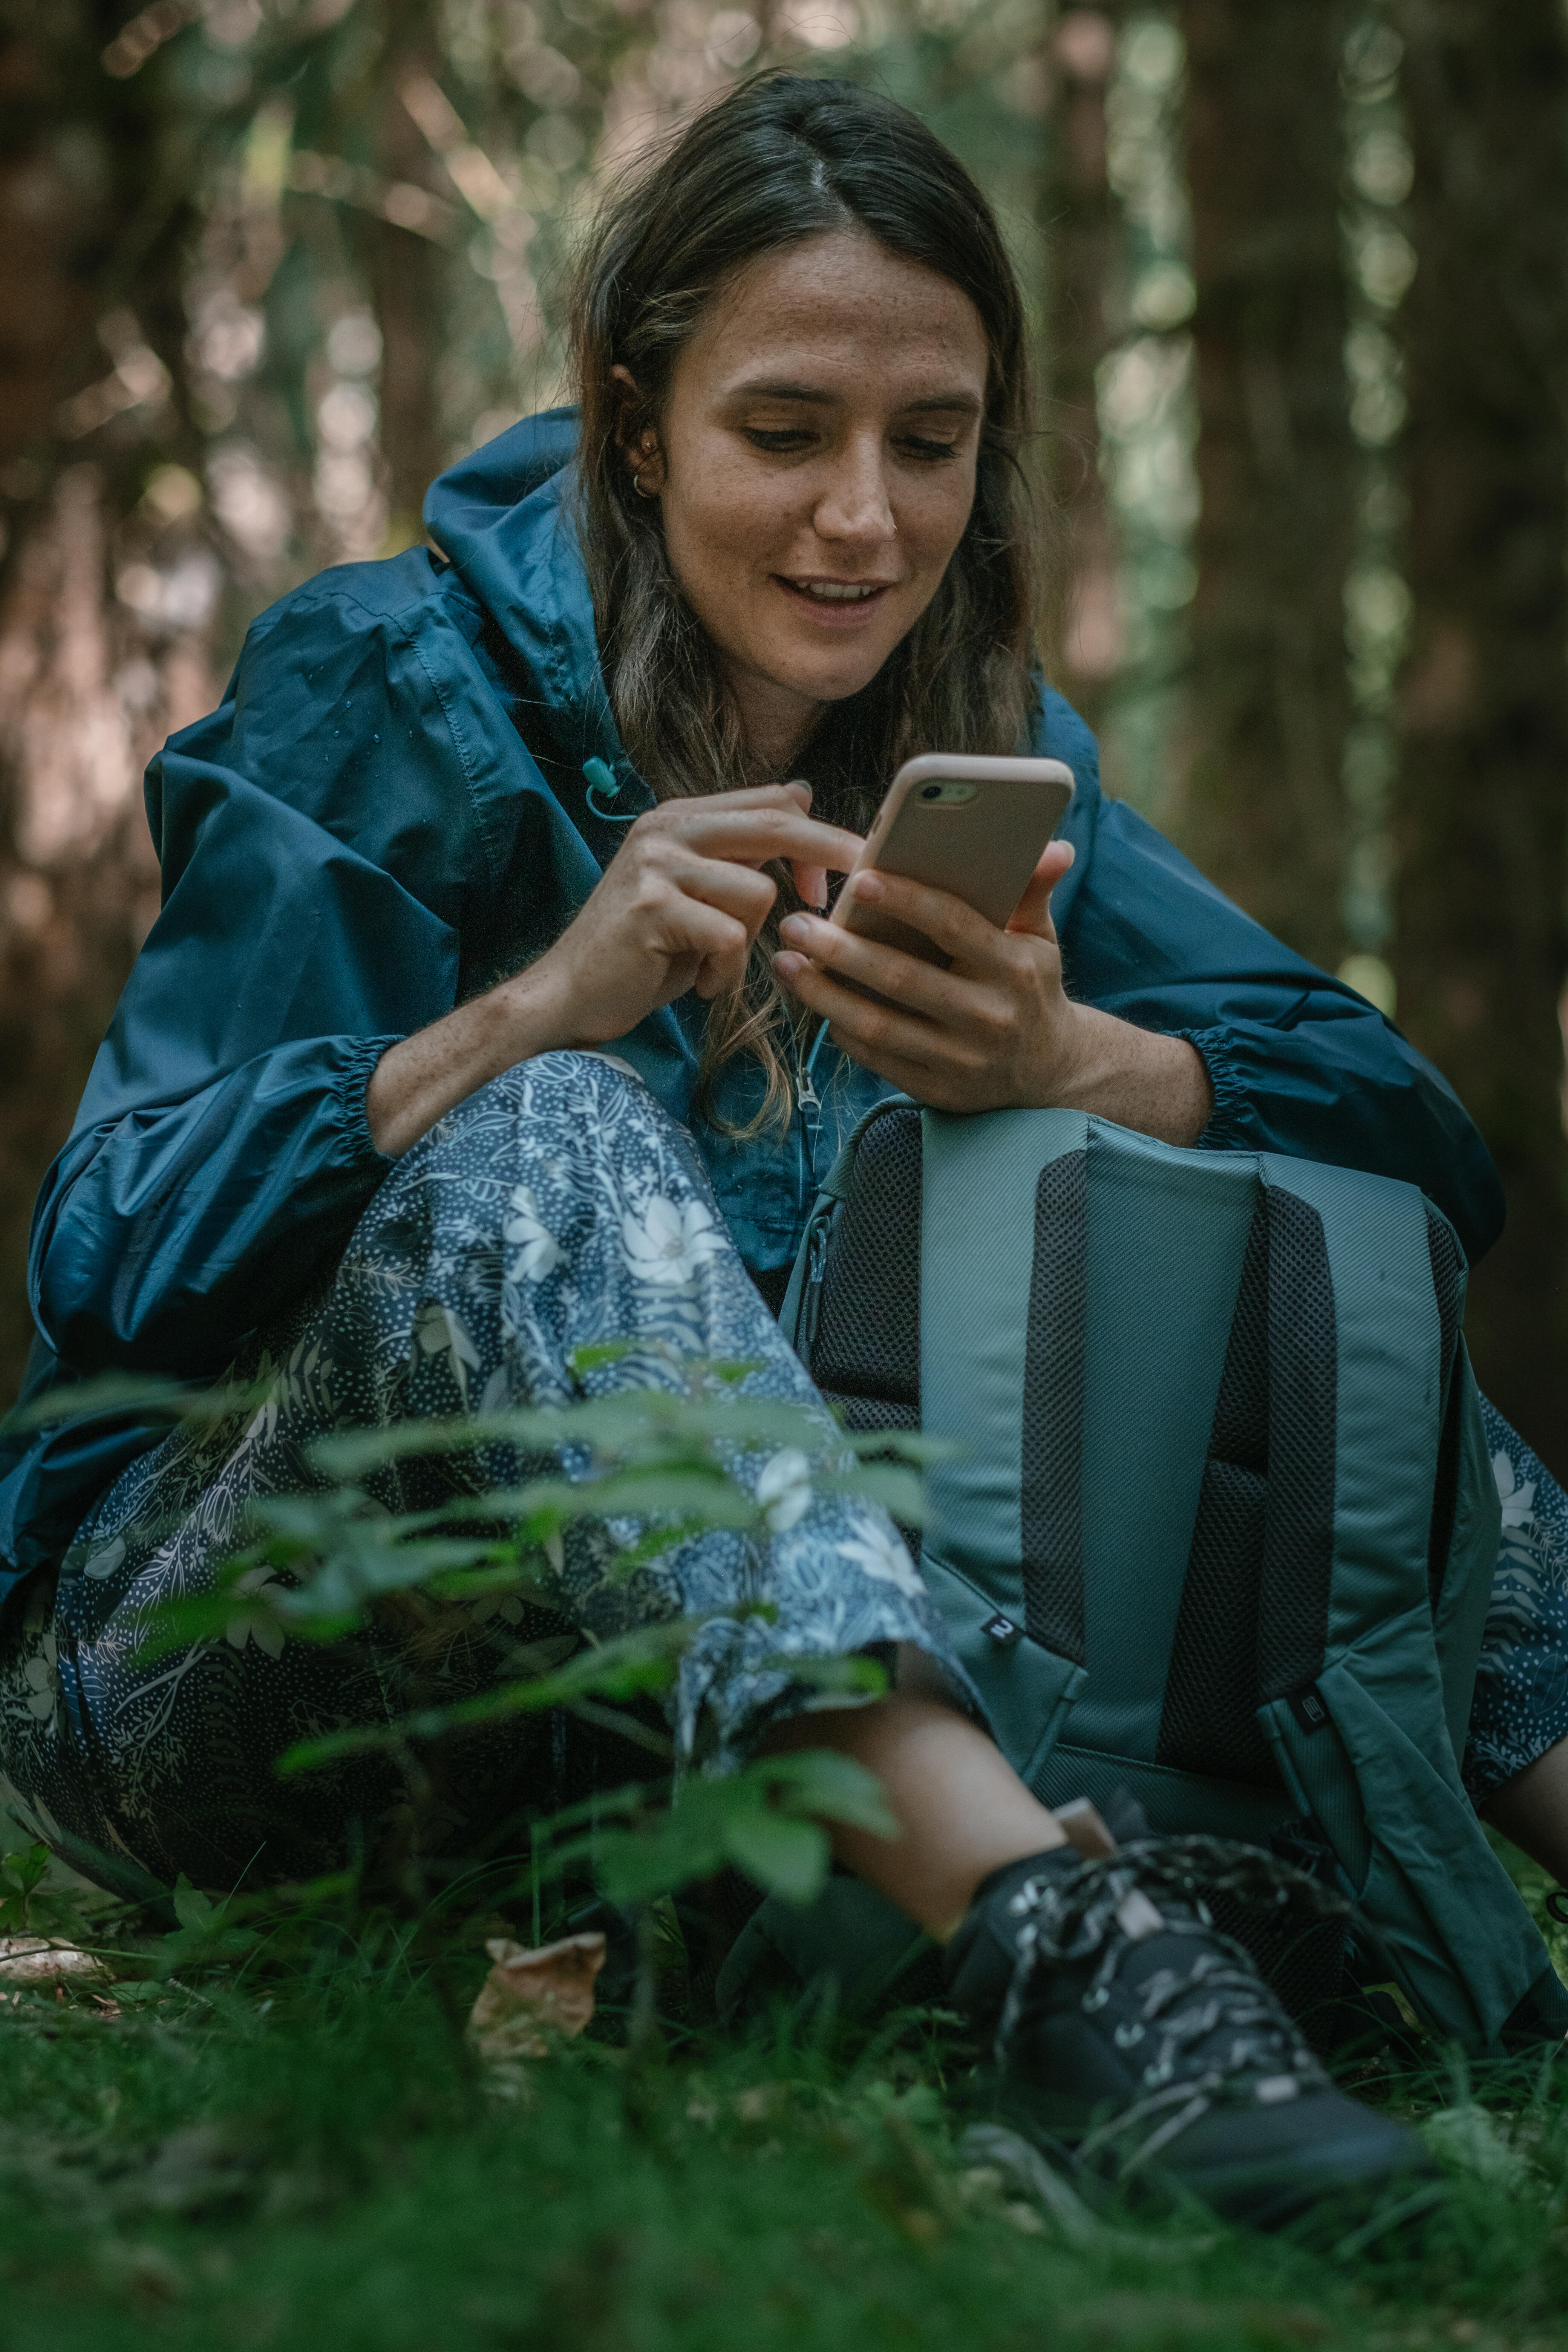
[637, 439]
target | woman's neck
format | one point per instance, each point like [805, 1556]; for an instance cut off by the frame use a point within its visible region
[775, 723]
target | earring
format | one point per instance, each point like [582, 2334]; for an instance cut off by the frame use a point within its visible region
[637, 487]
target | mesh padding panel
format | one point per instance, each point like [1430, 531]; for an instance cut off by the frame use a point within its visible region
[1241, 1416]
[1208, 1722]
[1299, 1540]
[880, 1413]
[874, 1412]
[1446, 1275]
[867, 1341]
[1052, 1498]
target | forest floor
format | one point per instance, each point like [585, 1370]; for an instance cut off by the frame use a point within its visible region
[287, 2145]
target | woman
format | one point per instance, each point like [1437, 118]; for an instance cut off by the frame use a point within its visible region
[464, 821]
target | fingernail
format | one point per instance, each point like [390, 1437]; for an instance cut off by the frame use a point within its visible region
[785, 968]
[868, 885]
[795, 928]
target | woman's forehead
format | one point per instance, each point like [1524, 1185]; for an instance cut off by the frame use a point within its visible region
[815, 316]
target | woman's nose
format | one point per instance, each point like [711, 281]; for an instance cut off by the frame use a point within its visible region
[855, 504]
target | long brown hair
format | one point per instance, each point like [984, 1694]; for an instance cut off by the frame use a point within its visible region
[782, 158]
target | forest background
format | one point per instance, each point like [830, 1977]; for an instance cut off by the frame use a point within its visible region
[1300, 279]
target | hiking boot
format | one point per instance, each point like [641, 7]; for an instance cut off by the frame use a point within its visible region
[1128, 2029]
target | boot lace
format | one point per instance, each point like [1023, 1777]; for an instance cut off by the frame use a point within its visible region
[1106, 1907]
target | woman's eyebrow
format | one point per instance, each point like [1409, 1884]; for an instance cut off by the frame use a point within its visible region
[952, 403]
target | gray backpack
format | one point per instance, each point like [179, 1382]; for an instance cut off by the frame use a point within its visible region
[1218, 1524]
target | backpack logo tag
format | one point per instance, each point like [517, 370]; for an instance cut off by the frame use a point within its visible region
[1307, 1707]
[1002, 1631]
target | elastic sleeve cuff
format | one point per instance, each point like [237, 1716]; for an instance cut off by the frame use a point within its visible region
[349, 1088]
[1227, 1129]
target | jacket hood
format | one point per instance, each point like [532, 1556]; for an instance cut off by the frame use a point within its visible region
[502, 518]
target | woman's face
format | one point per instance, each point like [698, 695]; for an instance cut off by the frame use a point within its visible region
[816, 467]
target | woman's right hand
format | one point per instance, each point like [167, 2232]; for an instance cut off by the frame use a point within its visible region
[679, 908]
[679, 905]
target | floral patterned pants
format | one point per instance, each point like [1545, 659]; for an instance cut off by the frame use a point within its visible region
[556, 1208]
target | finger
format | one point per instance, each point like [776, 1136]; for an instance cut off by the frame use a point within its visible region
[738, 891]
[1033, 912]
[811, 883]
[946, 921]
[709, 946]
[756, 836]
[923, 987]
[874, 1032]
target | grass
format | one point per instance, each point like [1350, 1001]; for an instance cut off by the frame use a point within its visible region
[296, 2150]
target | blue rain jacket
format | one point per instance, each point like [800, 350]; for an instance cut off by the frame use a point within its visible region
[388, 813]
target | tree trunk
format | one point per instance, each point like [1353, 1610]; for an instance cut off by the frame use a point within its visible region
[1079, 220]
[1262, 806]
[1482, 790]
[90, 255]
[408, 285]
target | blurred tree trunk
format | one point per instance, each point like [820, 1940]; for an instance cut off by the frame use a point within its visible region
[78, 173]
[1079, 218]
[1276, 463]
[407, 277]
[1481, 798]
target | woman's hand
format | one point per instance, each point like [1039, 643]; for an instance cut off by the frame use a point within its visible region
[997, 1029]
[680, 906]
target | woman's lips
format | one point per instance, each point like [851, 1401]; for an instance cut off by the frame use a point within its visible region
[837, 612]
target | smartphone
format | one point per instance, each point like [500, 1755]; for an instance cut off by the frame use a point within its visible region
[974, 828]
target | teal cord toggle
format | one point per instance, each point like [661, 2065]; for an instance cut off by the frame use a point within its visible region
[600, 778]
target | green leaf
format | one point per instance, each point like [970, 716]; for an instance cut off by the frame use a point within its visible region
[783, 1855]
[899, 1491]
[819, 1780]
[129, 1393]
[855, 1677]
[193, 1908]
[903, 1444]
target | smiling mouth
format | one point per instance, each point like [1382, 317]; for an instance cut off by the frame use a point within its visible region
[837, 592]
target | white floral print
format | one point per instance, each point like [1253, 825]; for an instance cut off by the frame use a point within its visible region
[783, 1489]
[670, 1240]
[538, 1251]
[266, 1633]
[556, 1208]
[438, 1331]
[878, 1553]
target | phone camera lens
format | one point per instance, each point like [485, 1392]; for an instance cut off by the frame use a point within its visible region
[931, 792]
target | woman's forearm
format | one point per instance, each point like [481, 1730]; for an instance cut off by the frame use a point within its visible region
[417, 1081]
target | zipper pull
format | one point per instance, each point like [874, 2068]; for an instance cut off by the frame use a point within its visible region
[811, 1303]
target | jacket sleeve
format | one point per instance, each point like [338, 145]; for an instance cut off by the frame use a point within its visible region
[221, 1153]
[1299, 1064]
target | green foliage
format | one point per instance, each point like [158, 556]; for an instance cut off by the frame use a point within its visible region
[764, 1819]
[663, 1463]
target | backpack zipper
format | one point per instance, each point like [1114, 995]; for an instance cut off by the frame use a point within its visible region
[811, 1302]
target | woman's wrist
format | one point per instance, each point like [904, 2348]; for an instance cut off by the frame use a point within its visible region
[423, 1078]
[1157, 1085]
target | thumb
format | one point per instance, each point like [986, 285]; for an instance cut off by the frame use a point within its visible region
[1033, 910]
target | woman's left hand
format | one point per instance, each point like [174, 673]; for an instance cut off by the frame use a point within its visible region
[996, 1030]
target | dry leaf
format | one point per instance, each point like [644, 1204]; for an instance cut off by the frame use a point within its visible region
[47, 1959]
[532, 1997]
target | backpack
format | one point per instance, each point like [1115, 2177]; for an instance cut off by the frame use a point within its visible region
[1217, 1524]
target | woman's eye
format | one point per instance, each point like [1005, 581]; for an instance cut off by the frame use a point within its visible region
[790, 436]
[928, 453]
